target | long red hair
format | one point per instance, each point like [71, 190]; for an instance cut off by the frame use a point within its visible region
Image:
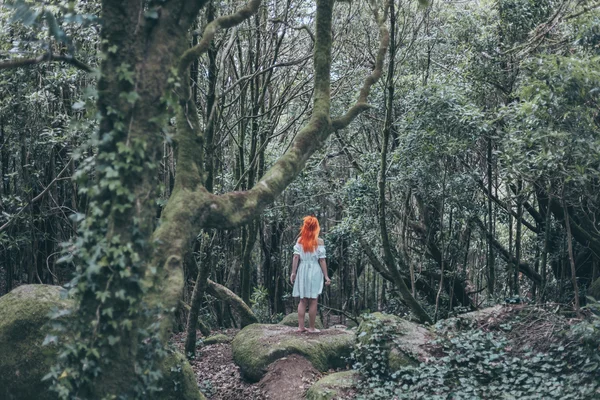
[309, 232]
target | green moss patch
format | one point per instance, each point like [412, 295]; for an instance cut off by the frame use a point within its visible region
[258, 345]
[24, 317]
[179, 380]
[333, 386]
[292, 320]
[215, 339]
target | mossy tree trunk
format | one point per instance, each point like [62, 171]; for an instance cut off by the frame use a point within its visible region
[128, 264]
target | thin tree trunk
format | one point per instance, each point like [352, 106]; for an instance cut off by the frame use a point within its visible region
[443, 247]
[518, 238]
[572, 259]
[491, 259]
[222, 293]
[197, 295]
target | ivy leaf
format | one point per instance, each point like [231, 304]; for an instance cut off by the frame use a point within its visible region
[49, 339]
[112, 340]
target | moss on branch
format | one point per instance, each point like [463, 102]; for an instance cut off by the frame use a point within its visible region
[224, 294]
[224, 22]
[361, 103]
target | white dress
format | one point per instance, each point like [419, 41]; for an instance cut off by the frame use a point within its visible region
[309, 276]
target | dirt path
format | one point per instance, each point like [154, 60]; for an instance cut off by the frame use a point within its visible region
[219, 378]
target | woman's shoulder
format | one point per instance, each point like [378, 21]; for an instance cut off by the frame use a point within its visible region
[320, 242]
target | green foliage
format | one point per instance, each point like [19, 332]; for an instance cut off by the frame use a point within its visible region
[588, 331]
[370, 357]
[488, 365]
[259, 302]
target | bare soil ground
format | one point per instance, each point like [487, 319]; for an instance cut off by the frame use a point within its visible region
[219, 378]
[288, 378]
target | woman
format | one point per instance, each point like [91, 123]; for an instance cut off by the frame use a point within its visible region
[309, 262]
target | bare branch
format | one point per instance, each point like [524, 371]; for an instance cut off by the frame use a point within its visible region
[585, 10]
[38, 197]
[47, 57]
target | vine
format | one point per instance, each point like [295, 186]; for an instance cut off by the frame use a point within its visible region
[111, 279]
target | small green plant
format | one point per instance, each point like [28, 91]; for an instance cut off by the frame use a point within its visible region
[260, 305]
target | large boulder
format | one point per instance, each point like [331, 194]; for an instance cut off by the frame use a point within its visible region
[258, 345]
[24, 360]
[408, 346]
[24, 323]
[333, 386]
[292, 320]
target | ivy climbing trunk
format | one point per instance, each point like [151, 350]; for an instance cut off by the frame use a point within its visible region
[130, 277]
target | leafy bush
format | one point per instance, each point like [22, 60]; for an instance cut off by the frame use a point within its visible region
[260, 306]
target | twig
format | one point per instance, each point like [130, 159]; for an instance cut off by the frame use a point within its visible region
[36, 198]
[349, 316]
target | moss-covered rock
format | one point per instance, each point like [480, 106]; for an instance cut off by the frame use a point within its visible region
[333, 386]
[179, 381]
[218, 338]
[407, 348]
[258, 345]
[24, 317]
[292, 320]
[24, 324]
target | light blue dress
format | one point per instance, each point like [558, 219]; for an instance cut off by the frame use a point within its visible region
[309, 276]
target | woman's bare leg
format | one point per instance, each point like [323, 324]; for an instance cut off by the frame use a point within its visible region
[312, 315]
[301, 314]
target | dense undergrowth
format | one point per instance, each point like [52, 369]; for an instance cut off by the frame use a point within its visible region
[524, 353]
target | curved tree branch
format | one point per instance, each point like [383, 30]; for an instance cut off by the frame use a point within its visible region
[361, 103]
[505, 254]
[224, 22]
[46, 57]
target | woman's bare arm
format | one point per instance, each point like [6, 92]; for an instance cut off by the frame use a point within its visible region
[323, 264]
[295, 261]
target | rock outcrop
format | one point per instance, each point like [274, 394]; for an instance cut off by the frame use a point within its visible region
[333, 386]
[292, 320]
[24, 324]
[258, 345]
[24, 360]
[410, 338]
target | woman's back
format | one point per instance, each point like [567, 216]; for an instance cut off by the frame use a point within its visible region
[314, 255]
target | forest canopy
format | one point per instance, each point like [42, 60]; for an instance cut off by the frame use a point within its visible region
[157, 158]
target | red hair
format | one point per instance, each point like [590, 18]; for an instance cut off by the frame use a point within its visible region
[309, 232]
